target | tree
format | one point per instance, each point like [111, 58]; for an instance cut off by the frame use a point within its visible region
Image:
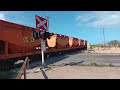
[113, 43]
[119, 44]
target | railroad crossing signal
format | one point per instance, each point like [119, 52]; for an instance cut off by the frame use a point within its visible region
[42, 35]
[42, 26]
[36, 35]
[41, 23]
[47, 35]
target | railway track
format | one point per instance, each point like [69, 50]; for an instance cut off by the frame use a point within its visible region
[18, 64]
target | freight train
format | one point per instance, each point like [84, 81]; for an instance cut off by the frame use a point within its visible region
[17, 42]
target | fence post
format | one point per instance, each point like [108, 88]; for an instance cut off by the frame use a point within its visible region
[22, 70]
[25, 72]
[28, 64]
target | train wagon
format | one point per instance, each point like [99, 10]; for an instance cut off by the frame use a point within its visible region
[79, 41]
[58, 41]
[85, 43]
[82, 42]
[73, 42]
[17, 42]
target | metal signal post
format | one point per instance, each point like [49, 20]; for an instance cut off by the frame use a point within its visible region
[42, 25]
[43, 48]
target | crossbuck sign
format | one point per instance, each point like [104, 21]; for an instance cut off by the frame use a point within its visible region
[41, 23]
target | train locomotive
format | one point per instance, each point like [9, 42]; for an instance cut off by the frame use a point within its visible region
[17, 42]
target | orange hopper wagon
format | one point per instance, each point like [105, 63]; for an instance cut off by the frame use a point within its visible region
[16, 40]
[58, 41]
[73, 42]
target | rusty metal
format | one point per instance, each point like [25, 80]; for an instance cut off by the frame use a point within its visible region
[22, 70]
[28, 64]
[25, 72]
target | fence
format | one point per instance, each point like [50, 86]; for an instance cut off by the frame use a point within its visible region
[23, 69]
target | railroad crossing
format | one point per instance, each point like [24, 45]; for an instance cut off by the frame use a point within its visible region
[71, 59]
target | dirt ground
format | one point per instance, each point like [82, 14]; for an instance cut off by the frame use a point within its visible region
[107, 50]
[78, 72]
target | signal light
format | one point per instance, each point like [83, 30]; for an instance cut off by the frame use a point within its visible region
[36, 35]
[42, 35]
[47, 35]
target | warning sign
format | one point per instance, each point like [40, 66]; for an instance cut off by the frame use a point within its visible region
[43, 46]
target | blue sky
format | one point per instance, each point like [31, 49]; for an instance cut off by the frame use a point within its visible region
[87, 25]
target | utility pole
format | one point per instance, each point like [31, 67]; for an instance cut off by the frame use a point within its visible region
[104, 37]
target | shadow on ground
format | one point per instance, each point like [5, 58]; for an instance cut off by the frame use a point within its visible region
[56, 58]
[44, 74]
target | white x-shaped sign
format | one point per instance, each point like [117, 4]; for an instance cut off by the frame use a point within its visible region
[41, 23]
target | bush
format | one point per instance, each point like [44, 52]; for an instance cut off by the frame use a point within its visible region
[94, 64]
[110, 65]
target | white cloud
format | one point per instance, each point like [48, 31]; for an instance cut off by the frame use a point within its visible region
[2, 16]
[99, 19]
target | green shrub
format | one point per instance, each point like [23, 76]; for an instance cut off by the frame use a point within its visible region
[93, 64]
[110, 65]
[96, 64]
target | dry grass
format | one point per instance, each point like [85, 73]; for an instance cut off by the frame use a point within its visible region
[99, 64]
[107, 50]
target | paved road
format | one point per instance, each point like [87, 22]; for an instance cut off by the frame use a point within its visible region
[79, 57]
[82, 57]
